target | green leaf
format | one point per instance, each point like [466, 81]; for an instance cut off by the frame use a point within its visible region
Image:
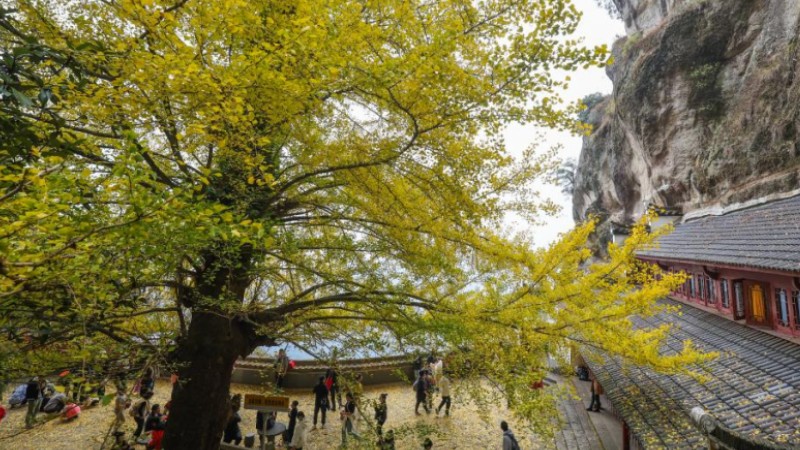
[21, 98]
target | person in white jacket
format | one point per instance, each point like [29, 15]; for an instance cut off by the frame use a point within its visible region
[444, 390]
[299, 436]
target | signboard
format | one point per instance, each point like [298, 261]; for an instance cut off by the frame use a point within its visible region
[266, 403]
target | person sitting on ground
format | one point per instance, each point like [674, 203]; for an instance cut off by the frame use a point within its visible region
[153, 419]
[157, 432]
[299, 437]
[72, 411]
[427, 444]
[56, 403]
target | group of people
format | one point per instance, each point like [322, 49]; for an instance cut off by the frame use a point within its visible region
[150, 419]
[294, 437]
[432, 379]
[42, 396]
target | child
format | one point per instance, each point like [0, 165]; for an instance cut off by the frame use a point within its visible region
[299, 437]
[287, 435]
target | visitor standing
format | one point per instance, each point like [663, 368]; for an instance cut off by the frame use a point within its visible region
[381, 413]
[33, 396]
[287, 435]
[444, 391]
[421, 390]
[358, 387]
[281, 367]
[299, 438]
[509, 441]
[320, 401]
[429, 390]
[438, 371]
[121, 403]
[148, 381]
[349, 416]
[332, 383]
[139, 413]
[417, 366]
[233, 433]
[597, 389]
[260, 418]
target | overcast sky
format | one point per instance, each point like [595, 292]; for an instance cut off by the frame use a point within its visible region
[596, 28]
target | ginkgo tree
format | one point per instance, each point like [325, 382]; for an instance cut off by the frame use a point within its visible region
[205, 177]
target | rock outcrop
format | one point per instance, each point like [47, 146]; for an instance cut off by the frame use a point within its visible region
[705, 110]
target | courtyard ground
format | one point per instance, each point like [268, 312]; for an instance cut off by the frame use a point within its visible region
[463, 429]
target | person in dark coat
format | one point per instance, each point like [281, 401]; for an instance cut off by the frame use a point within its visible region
[287, 435]
[332, 383]
[381, 413]
[233, 433]
[421, 388]
[594, 406]
[148, 381]
[320, 401]
[34, 394]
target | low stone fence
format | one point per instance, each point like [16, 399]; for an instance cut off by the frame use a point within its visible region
[260, 371]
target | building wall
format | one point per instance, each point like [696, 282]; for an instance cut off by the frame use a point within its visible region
[770, 281]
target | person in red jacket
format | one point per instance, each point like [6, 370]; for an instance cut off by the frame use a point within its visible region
[2, 413]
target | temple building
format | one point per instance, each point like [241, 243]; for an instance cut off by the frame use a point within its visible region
[742, 299]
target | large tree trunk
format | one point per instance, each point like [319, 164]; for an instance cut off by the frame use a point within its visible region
[200, 405]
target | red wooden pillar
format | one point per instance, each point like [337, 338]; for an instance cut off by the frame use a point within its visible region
[626, 436]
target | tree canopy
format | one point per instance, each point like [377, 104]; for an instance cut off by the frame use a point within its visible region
[197, 178]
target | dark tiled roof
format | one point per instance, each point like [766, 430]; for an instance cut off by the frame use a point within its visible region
[754, 386]
[766, 236]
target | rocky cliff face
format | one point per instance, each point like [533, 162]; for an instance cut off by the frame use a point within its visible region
[705, 109]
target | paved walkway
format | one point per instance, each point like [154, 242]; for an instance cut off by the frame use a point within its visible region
[585, 430]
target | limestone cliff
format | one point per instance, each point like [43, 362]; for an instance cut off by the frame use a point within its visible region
[705, 109]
